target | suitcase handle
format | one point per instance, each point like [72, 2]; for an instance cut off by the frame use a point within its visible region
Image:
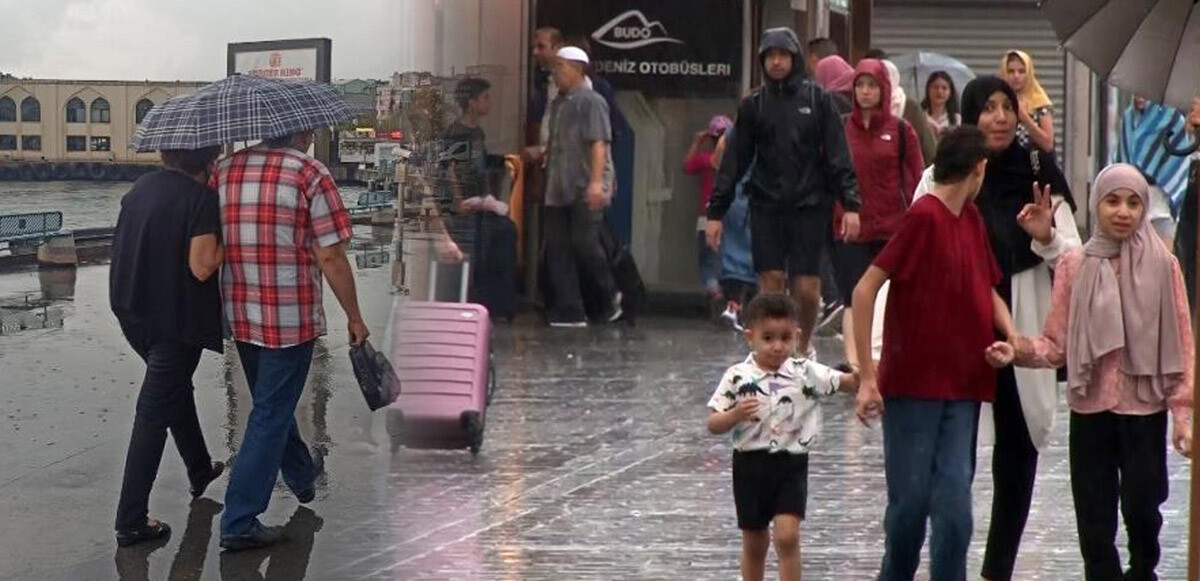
[462, 289]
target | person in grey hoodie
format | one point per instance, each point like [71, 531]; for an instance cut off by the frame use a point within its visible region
[793, 129]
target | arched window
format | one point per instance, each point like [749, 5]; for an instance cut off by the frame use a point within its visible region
[8, 110]
[100, 111]
[139, 111]
[31, 110]
[76, 111]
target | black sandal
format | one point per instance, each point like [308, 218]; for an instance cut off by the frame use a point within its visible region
[218, 468]
[148, 532]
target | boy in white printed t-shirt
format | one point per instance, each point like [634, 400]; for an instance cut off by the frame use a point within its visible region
[771, 403]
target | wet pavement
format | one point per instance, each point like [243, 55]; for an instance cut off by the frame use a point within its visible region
[596, 465]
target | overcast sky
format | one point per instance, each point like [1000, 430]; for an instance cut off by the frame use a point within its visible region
[185, 39]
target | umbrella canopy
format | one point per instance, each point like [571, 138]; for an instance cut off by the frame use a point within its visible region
[1147, 47]
[240, 108]
[915, 68]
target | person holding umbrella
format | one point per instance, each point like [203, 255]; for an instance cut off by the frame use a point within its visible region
[284, 227]
[166, 249]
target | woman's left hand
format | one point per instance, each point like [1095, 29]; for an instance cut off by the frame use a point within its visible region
[1181, 437]
[1037, 218]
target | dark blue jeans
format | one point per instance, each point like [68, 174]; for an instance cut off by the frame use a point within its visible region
[165, 403]
[272, 442]
[929, 451]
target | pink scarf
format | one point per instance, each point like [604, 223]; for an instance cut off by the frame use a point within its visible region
[1134, 312]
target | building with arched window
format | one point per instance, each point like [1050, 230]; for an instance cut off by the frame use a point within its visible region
[31, 110]
[8, 110]
[100, 111]
[76, 111]
[63, 122]
[139, 111]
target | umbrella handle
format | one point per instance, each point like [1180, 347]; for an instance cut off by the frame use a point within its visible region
[1181, 151]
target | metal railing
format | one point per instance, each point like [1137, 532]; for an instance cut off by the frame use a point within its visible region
[28, 226]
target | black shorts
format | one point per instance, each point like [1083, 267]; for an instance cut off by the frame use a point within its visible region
[767, 484]
[850, 262]
[790, 240]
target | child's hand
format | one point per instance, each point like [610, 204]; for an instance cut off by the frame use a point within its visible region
[849, 381]
[747, 409]
[1181, 437]
[1000, 354]
[868, 404]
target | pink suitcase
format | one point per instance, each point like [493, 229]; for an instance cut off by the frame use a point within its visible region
[442, 355]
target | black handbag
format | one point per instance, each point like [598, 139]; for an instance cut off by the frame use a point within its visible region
[376, 376]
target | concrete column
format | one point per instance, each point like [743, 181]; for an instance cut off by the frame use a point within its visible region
[1077, 131]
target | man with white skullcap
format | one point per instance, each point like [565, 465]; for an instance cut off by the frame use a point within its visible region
[578, 188]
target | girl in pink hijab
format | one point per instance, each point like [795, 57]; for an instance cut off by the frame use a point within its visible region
[1119, 321]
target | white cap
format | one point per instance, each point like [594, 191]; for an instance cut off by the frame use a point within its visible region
[572, 53]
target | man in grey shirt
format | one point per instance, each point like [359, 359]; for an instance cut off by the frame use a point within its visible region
[578, 188]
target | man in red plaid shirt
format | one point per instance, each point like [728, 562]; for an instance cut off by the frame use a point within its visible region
[284, 227]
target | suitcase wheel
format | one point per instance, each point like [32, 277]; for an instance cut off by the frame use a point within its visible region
[472, 424]
[395, 428]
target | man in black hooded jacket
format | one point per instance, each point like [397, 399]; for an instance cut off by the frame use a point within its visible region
[794, 132]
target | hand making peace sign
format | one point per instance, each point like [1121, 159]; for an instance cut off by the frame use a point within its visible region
[1037, 218]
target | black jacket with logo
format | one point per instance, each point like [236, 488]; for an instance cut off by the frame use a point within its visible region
[795, 132]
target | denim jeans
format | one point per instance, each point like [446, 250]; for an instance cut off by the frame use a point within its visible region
[272, 442]
[929, 451]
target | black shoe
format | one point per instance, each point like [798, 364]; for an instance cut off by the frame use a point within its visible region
[260, 537]
[309, 494]
[218, 468]
[148, 532]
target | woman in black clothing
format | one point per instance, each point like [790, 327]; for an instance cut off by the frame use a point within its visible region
[163, 291]
[1027, 238]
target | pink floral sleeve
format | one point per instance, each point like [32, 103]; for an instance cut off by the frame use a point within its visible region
[1050, 349]
[1179, 398]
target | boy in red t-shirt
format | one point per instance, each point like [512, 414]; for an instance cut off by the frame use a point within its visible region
[939, 347]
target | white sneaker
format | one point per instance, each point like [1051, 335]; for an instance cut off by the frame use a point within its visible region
[567, 323]
[732, 314]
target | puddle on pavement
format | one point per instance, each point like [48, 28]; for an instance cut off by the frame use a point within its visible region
[31, 310]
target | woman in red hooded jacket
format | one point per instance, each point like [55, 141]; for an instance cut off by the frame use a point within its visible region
[887, 159]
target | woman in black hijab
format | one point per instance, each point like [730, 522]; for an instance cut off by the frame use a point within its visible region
[1029, 227]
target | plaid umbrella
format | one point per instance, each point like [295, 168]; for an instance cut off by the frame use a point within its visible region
[1147, 47]
[240, 108]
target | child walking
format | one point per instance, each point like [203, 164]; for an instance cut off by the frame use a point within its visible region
[771, 403]
[1119, 321]
[939, 338]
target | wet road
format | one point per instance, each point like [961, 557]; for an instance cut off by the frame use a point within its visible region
[596, 466]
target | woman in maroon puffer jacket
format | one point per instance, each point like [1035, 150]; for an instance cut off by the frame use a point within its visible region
[887, 159]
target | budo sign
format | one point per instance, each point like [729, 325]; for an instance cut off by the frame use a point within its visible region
[675, 48]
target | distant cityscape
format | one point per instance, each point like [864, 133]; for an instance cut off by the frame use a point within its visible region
[59, 129]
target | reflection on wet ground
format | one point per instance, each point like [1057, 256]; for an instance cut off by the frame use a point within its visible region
[595, 466]
[30, 310]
